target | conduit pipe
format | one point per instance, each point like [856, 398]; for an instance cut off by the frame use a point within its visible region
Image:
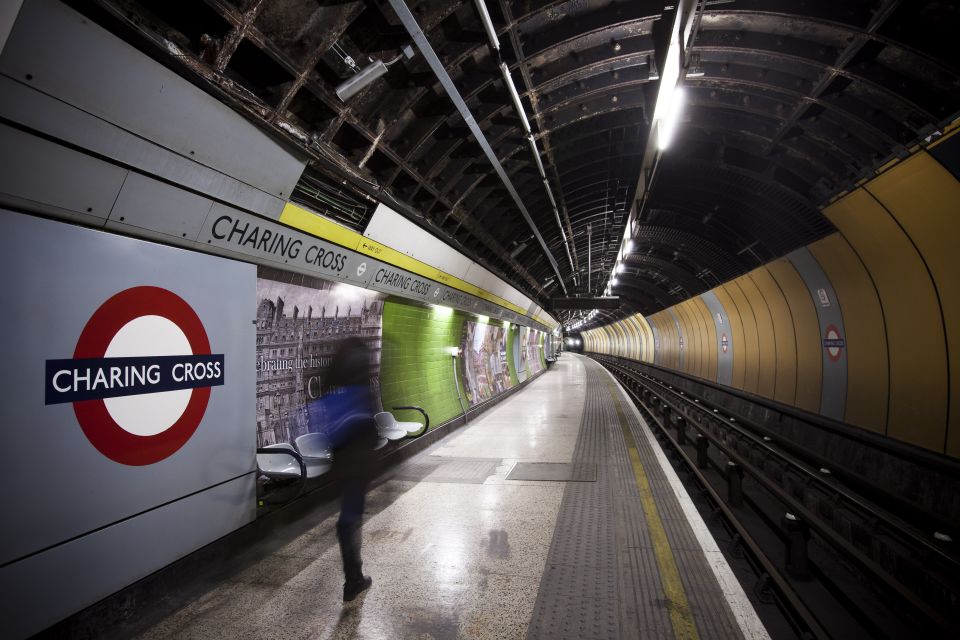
[419, 37]
[518, 105]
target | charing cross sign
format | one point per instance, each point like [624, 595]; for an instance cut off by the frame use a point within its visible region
[140, 376]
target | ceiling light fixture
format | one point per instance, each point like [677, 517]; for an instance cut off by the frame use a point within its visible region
[536, 155]
[508, 80]
[667, 126]
[363, 78]
[488, 24]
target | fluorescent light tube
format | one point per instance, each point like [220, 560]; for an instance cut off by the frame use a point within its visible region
[487, 24]
[516, 96]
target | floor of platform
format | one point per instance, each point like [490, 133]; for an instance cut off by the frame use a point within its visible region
[602, 546]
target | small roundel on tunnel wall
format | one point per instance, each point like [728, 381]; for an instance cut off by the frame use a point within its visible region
[834, 343]
[140, 377]
[724, 343]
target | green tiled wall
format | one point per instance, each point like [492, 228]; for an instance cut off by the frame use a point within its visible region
[415, 363]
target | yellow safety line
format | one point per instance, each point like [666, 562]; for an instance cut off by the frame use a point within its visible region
[681, 617]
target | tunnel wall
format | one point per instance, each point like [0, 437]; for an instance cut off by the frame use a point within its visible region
[862, 326]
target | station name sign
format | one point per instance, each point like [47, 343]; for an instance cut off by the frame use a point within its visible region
[271, 242]
[254, 236]
[74, 380]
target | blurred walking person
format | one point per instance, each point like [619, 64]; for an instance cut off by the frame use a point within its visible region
[346, 412]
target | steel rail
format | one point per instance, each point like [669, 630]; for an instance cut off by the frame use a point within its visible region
[895, 532]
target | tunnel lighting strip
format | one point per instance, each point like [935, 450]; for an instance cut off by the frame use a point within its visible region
[518, 105]
[488, 24]
[553, 203]
[418, 36]
[508, 80]
[666, 117]
[536, 156]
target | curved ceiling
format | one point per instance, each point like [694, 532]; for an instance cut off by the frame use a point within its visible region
[797, 101]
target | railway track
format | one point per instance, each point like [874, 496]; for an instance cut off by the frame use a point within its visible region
[837, 564]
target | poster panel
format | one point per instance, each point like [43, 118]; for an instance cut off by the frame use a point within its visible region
[523, 372]
[484, 362]
[532, 349]
[300, 321]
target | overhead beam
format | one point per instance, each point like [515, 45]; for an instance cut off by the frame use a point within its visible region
[585, 304]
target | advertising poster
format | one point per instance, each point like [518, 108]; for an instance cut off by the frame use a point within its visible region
[300, 320]
[532, 349]
[516, 348]
[485, 372]
[522, 336]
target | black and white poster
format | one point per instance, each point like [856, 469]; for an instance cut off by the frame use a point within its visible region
[300, 321]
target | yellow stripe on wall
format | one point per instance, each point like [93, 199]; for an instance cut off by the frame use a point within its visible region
[318, 226]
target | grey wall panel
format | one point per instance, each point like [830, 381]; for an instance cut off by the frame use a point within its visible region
[36, 110]
[682, 340]
[45, 588]
[8, 13]
[657, 358]
[51, 176]
[725, 344]
[833, 396]
[59, 275]
[390, 279]
[82, 64]
[457, 299]
[149, 204]
[68, 57]
[253, 238]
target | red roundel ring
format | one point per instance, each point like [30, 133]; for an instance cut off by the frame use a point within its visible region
[832, 333]
[98, 425]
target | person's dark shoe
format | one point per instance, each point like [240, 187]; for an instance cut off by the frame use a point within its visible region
[353, 588]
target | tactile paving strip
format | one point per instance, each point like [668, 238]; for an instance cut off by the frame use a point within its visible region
[601, 578]
[553, 471]
[578, 596]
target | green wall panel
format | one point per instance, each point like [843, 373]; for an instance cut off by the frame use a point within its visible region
[512, 332]
[416, 367]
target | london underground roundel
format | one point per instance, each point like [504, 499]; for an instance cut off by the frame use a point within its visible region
[140, 377]
[833, 343]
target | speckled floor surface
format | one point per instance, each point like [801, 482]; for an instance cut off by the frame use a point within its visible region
[457, 552]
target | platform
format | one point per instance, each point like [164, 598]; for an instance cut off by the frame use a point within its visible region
[553, 515]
